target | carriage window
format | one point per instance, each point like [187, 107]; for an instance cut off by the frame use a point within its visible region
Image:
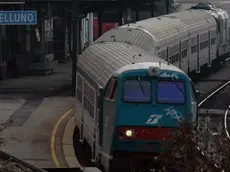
[111, 90]
[213, 41]
[170, 92]
[184, 53]
[137, 91]
[194, 49]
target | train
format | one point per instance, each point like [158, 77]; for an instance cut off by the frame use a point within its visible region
[133, 90]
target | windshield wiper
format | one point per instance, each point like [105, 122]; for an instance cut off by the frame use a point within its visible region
[139, 79]
[177, 85]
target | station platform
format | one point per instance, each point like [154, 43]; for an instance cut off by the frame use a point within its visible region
[30, 107]
[48, 85]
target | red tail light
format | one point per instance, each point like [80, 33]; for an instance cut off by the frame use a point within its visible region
[146, 133]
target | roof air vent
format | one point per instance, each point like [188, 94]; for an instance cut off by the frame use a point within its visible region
[202, 6]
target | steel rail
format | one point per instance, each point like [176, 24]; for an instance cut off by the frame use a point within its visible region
[225, 123]
[225, 118]
[213, 93]
[7, 157]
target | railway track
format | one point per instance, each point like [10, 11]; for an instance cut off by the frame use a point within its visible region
[11, 163]
[216, 98]
[226, 122]
[214, 121]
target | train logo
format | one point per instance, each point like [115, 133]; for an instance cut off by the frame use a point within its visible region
[153, 119]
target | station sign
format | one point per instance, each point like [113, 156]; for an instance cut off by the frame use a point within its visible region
[18, 17]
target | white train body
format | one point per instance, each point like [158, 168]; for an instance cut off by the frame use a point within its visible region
[188, 39]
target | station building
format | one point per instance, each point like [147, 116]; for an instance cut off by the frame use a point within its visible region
[40, 47]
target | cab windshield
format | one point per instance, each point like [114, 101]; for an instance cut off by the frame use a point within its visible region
[140, 91]
[170, 92]
[137, 91]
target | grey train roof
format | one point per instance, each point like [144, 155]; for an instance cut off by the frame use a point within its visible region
[194, 18]
[102, 60]
[152, 32]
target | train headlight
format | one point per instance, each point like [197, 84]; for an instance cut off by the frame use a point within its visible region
[129, 133]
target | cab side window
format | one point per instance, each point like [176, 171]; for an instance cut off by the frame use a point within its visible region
[111, 89]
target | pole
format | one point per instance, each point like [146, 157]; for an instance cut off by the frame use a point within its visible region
[100, 13]
[90, 28]
[129, 15]
[74, 55]
[76, 20]
[69, 32]
[152, 8]
[137, 15]
[79, 40]
[121, 17]
[167, 6]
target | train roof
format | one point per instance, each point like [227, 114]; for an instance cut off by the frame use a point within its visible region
[152, 32]
[193, 18]
[103, 60]
[146, 65]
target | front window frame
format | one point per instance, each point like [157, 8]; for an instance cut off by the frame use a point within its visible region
[168, 80]
[138, 102]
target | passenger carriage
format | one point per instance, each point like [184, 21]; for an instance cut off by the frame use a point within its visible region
[188, 39]
[129, 102]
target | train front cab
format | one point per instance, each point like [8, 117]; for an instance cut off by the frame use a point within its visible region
[142, 111]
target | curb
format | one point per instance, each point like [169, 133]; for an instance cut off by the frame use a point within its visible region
[68, 149]
[67, 144]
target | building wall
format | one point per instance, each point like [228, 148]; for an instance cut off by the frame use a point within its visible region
[160, 9]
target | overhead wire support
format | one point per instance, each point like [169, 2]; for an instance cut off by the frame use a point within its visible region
[77, 15]
[74, 48]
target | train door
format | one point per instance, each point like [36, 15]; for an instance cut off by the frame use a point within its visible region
[229, 36]
[193, 55]
[209, 49]
[167, 54]
[189, 53]
[184, 55]
[180, 59]
[79, 113]
[187, 59]
[213, 45]
[174, 55]
[96, 132]
[198, 54]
